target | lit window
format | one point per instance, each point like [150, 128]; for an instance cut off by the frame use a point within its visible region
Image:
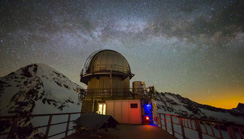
[102, 108]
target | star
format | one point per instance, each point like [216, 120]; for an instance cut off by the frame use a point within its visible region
[184, 47]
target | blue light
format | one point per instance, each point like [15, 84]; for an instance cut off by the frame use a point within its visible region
[148, 111]
[149, 106]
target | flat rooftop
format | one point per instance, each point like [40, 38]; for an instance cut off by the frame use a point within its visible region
[126, 131]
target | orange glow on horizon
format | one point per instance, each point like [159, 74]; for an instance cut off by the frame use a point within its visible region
[227, 103]
[226, 99]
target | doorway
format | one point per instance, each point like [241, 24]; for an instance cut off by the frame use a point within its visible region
[101, 108]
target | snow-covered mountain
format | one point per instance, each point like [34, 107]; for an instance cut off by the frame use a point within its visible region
[37, 89]
[40, 89]
[169, 103]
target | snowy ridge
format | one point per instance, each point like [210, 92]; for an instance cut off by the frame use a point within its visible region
[36, 89]
[169, 103]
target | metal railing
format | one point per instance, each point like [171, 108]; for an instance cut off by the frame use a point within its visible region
[15, 119]
[118, 92]
[177, 126]
[106, 67]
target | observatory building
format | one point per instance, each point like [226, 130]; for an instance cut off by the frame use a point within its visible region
[107, 75]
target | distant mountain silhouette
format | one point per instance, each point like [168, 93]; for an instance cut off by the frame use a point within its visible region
[240, 107]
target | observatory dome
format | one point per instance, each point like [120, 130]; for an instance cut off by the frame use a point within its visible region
[106, 62]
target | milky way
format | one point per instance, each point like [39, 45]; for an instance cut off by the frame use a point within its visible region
[192, 48]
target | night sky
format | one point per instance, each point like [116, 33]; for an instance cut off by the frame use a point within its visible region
[192, 48]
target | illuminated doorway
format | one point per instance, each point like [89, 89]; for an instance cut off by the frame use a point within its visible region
[102, 108]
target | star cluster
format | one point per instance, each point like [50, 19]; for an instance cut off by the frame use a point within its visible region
[194, 48]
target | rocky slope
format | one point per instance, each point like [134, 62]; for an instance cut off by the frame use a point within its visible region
[36, 89]
[177, 105]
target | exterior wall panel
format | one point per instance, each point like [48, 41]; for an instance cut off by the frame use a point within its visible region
[121, 110]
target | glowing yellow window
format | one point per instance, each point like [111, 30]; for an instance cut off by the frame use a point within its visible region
[102, 108]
